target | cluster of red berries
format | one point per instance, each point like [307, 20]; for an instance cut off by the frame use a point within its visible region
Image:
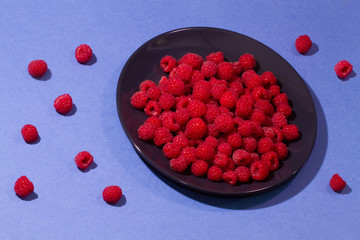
[63, 105]
[217, 118]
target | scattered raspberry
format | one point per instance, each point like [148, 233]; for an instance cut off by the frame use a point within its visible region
[303, 44]
[196, 128]
[337, 183]
[225, 71]
[247, 62]
[171, 150]
[230, 177]
[205, 152]
[179, 164]
[189, 153]
[209, 69]
[112, 194]
[196, 108]
[29, 133]
[83, 53]
[166, 101]
[243, 174]
[259, 170]
[228, 99]
[216, 57]
[162, 136]
[224, 123]
[152, 108]
[167, 63]
[265, 145]
[199, 168]
[194, 60]
[214, 173]
[63, 104]
[23, 187]
[291, 132]
[83, 160]
[343, 69]
[37, 68]
[146, 132]
[271, 159]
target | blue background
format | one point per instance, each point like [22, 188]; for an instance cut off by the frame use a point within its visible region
[67, 203]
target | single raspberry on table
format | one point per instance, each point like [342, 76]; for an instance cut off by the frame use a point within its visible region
[37, 68]
[29, 133]
[337, 183]
[214, 173]
[303, 44]
[230, 177]
[83, 160]
[167, 63]
[23, 187]
[243, 174]
[259, 170]
[216, 57]
[63, 104]
[179, 164]
[193, 59]
[112, 194]
[199, 167]
[343, 69]
[247, 62]
[83, 53]
[209, 69]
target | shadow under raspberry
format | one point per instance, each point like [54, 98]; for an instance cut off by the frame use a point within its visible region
[30, 197]
[46, 76]
[120, 203]
[92, 166]
[351, 75]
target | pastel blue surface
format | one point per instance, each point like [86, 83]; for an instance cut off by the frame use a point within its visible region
[67, 203]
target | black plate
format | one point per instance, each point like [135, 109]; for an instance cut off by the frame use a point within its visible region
[144, 64]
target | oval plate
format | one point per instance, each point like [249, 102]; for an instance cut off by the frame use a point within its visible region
[144, 64]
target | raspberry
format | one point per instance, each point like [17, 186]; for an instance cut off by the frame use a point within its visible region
[181, 140]
[216, 57]
[182, 102]
[234, 140]
[252, 80]
[214, 80]
[212, 130]
[209, 69]
[197, 108]
[230, 177]
[303, 44]
[168, 121]
[83, 160]
[153, 93]
[163, 84]
[225, 71]
[259, 131]
[179, 164]
[291, 132]
[189, 153]
[203, 83]
[152, 108]
[201, 93]
[214, 173]
[175, 86]
[171, 150]
[265, 145]
[196, 76]
[268, 79]
[196, 129]
[182, 116]
[155, 121]
[258, 116]
[237, 86]
[337, 183]
[224, 122]
[248, 97]
[167, 63]
[217, 90]
[279, 136]
[182, 71]
[254, 157]
[37, 68]
[211, 113]
[271, 159]
[162, 136]
[146, 132]
[241, 157]
[212, 141]
[246, 128]
[205, 152]
[261, 93]
[221, 160]
[247, 62]
[280, 99]
[250, 144]
[83, 53]
[199, 168]
[166, 101]
[145, 85]
[259, 170]
[194, 60]
[225, 148]
[281, 150]
[279, 120]
[243, 108]
[29, 133]
[274, 90]
[112, 194]
[63, 104]
[228, 99]
[23, 187]
[285, 109]
[231, 166]
[243, 174]
[265, 106]
[237, 68]
[139, 99]
[343, 69]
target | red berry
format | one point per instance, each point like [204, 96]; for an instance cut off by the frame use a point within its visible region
[279, 120]
[243, 108]
[29, 133]
[83, 53]
[225, 148]
[155, 121]
[217, 90]
[250, 144]
[343, 69]
[221, 160]
[303, 44]
[205, 152]
[224, 122]
[189, 153]
[63, 104]
[197, 108]
[265, 145]
[182, 71]
[337, 183]
[246, 128]
[179, 164]
[153, 93]
[182, 116]
[146, 132]
[228, 99]
[243, 174]
[194, 60]
[280, 99]
[175, 86]
[201, 93]
[152, 108]
[271, 159]
[167, 63]
[23, 187]
[139, 99]
[234, 140]
[247, 62]
[281, 150]
[145, 85]
[162, 136]
[168, 121]
[37, 68]
[230, 177]
[209, 69]
[214, 173]
[285, 109]
[291, 132]
[225, 71]
[259, 170]
[212, 141]
[216, 57]
[265, 106]
[195, 129]
[83, 160]
[241, 157]
[171, 150]
[268, 79]
[199, 168]
[112, 194]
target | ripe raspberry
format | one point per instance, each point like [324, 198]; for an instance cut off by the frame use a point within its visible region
[231, 166]
[152, 108]
[337, 183]
[343, 69]
[281, 150]
[194, 60]
[284, 109]
[243, 108]
[303, 44]
[167, 63]
[212, 130]
[268, 79]
[221, 160]
[214, 173]
[83, 53]
[29, 133]
[196, 129]
[83, 160]
[209, 69]
[171, 150]
[63, 104]
[225, 71]
[237, 86]
[196, 76]
[155, 121]
[271, 159]
[246, 128]
[216, 57]
[199, 168]
[139, 99]
[182, 116]
[259, 131]
[261, 93]
[201, 93]
[181, 140]
[217, 90]
[247, 62]
[243, 174]
[259, 170]
[279, 120]
[230, 177]
[197, 108]
[179, 164]
[168, 121]
[166, 101]
[234, 140]
[205, 152]
[237, 68]
[224, 123]
[112, 194]
[241, 157]
[291, 132]
[162, 136]
[175, 86]
[280, 99]
[274, 90]
[228, 99]
[37, 68]
[265, 145]
[212, 141]
[214, 80]
[163, 84]
[250, 144]
[182, 71]
[225, 148]
[252, 80]
[182, 102]
[189, 153]
[146, 132]
[258, 116]
[145, 85]
[265, 106]
[153, 93]
[279, 136]
[254, 157]
[211, 113]
[23, 187]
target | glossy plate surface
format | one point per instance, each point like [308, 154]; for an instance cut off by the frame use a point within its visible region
[144, 64]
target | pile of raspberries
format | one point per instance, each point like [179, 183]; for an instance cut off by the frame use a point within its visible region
[216, 118]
